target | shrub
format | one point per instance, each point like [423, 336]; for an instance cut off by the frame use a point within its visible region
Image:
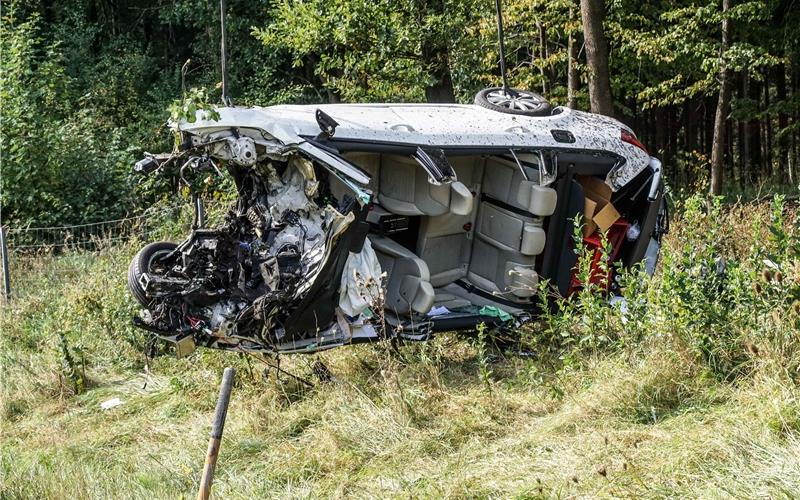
[727, 290]
[725, 303]
[59, 165]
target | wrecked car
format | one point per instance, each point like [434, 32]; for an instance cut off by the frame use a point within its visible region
[360, 222]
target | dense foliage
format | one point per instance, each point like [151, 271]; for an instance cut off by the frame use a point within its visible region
[86, 85]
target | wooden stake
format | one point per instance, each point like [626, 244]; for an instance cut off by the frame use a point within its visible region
[4, 257]
[216, 434]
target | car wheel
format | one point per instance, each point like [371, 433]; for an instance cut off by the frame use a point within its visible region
[513, 101]
[147, 261]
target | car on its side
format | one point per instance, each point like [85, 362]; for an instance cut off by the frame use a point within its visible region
[360, 222]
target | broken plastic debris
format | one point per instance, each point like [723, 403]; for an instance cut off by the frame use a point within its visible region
[111, 403]
[438, 311]
[620, 302]
[633, 232]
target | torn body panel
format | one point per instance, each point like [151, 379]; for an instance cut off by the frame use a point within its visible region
[234, 287]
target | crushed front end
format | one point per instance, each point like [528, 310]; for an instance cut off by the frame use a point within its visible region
[268, 277]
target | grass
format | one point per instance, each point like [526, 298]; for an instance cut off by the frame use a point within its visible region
[617, 413]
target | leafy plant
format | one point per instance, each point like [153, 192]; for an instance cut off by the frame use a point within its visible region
[72, 369]
[194, 104]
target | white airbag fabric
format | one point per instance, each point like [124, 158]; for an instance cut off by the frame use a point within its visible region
[361, 281]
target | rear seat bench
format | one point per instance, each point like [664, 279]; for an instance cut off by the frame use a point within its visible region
[490, 242]
[408, 288]
[509, 233]
[496, 246]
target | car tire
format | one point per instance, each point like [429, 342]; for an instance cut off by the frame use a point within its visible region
[521, 103]
[143, 263]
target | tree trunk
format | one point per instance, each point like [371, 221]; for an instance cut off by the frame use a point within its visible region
[672, 136]
[793, 170]
[435, 53]
[767, 131]
[690, 125]
[651, 128]
[723, 105]
[747, 175]
[572, 68]
[543, 57]
[661, 124]
[709, 110]
[592, 14]
[783, 120]
[728, 163]
[687, 145]
[754, 133]
[441, 90]
[739, 161]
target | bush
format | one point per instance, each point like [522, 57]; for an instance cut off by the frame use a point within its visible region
[60, 165]
[727, 290]
[729, 285]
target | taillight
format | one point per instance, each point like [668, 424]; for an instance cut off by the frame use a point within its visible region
[631, 139]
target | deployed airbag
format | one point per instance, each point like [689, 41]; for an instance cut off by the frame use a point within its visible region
[361, 281]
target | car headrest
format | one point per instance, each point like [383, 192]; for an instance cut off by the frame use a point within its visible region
[461, 199]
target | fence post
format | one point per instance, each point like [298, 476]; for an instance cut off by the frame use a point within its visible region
[216, 434]
[6, 277]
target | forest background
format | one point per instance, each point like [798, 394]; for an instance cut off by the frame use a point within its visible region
[85, 84]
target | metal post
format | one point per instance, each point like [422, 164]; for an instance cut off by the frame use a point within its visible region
[224, 55]
[502, 45]
[216, 434]
[6, 277]
[199, 217]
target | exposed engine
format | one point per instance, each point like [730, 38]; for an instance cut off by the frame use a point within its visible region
[234, 287]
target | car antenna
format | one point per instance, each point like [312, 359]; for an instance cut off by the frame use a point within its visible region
[506, 88]
[224, 54]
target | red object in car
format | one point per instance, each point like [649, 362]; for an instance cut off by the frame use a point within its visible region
[616, 235]
[630, 138]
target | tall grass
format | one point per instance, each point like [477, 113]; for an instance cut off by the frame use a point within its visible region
[690, 390]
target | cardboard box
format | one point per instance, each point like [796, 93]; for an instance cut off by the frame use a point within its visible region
[598, 212]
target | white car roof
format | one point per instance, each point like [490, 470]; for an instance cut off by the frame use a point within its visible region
[443, 125]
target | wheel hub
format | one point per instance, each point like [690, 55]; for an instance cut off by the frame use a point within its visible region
[514, 99]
